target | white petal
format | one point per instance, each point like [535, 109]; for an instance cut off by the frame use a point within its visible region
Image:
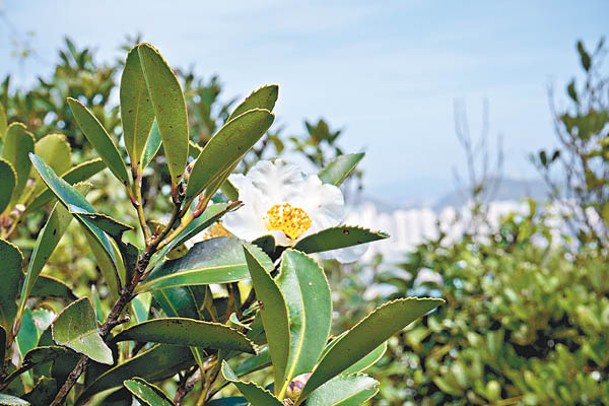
[279, 182]
[324, 204]
[247, 222]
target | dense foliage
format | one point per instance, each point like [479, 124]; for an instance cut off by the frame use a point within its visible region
[247, 297]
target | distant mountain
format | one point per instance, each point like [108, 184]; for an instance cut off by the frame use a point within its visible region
[508, 189]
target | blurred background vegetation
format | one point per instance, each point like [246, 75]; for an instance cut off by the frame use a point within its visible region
[527, 313]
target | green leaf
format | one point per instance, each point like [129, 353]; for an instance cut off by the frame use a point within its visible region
[188, 332]
[274, 312]
[96, 134]
[48, 286]
[108, 224]
[147, 393]
[340, 168]
[55, 151]
[75, 175]
[336, 238]
[18, 143]
[254, 363]
[255, 394]
[368, 361]
[3, 122]
[263, 98]
[36, 356]
[76, 328]
[307, 295]
[152, 146]
[2, 347]
[9, 177]
[344, 390]
[228, 401]
[7, 400]
[72, 199]
[372, 331]
[137, 113]
[47, 241]
[218, 260]
[43, 393]
[158, 363]
[211, 215]
[12, 260]
[225, 150]
[178, 302]
[169, 109]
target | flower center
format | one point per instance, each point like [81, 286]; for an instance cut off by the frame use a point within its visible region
[215, 231]
[293, 221]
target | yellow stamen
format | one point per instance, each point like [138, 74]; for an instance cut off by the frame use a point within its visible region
[293, 221]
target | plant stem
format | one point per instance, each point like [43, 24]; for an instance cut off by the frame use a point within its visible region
[80, 367]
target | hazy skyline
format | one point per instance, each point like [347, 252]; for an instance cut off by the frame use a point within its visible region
[388, 73]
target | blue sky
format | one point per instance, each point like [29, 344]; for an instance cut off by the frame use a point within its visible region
[387, 72]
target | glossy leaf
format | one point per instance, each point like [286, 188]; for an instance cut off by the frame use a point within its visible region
[368, 361]
[177, 302]
[152, 146]
[46, 242]
[263, 98]
[274, 312]
[137, 113]
[7, 400]
[76, 328]
[109, 225]
[37, 356]
[77, 174]
[188, 332]
[307, 295]
[255, 394]
[98, 136]
[55, 151]
[147, 393]
[225, 150]
[46, 286]
[9, 178]
[159, 362]
[18, 143]
[218, 260]
[71, 199]
[169, 108]
[336, 238]
[368, 334]
[12, 260]
[228, 401]
[350, 390]
[211, 215]
[340, 168]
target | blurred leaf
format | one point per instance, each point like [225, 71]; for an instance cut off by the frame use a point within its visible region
[307, 295]
[98, 136]
[572, 92]
[18, 143]
[147, 393]
[225, 150]
[159, 362]
[350, 390]
[9, 177]
[263, 98]
[274, 312]
[137, 113]
[12, 260]
[256, 395]
[372, 331]
[218, 260]
[76, 328]
[584, 56]
[3, 122]
[336, 238]
[340, 168]
[169, 109]
[188, 332]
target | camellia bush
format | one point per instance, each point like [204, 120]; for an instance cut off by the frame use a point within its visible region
[242, 316]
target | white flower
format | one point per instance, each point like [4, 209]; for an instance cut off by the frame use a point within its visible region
[280, 200]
